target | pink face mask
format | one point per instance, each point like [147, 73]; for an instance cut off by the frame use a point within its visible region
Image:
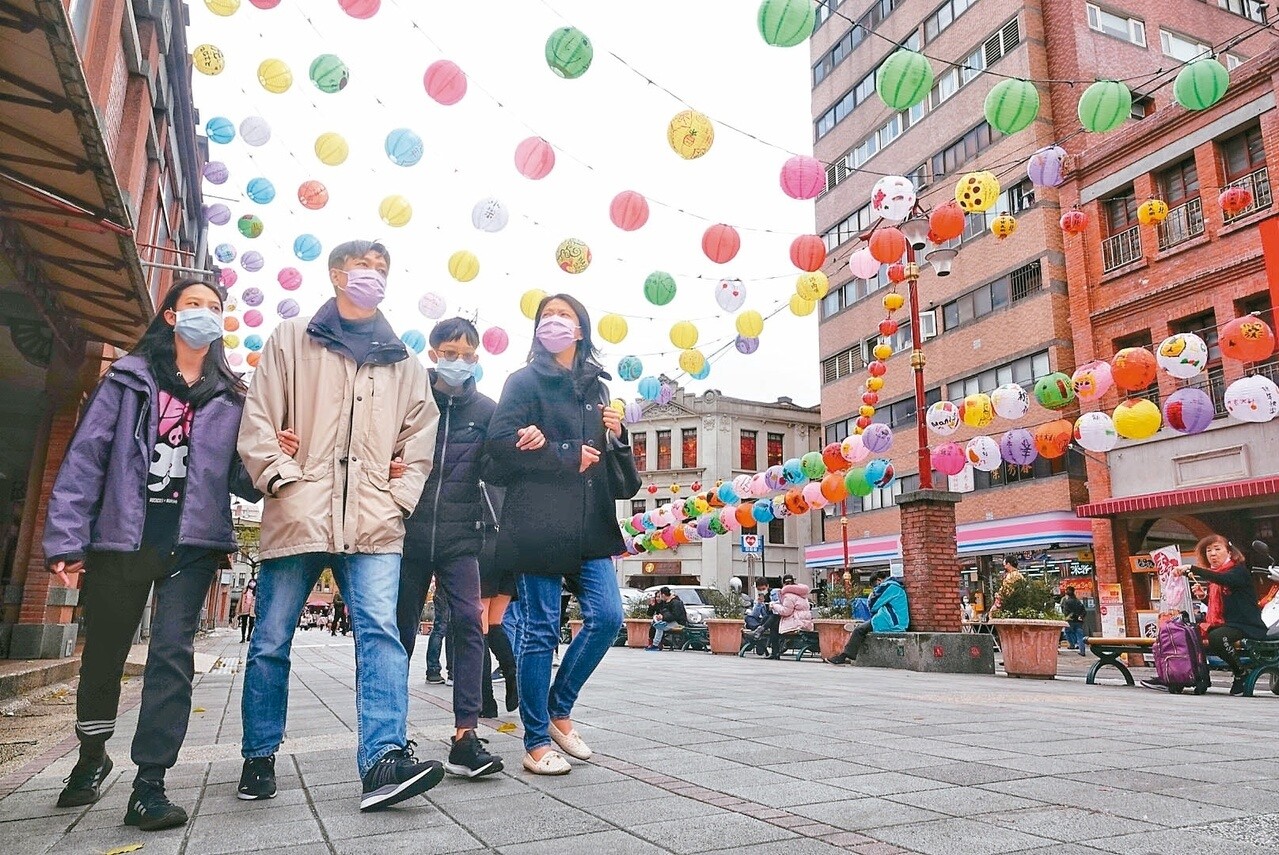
[556, 334]
[365, 287]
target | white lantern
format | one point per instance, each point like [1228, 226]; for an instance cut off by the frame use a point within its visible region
[893, 198]
[1253, 399]
[489, 215]
[255, 131]
[1096, 432]
[432, 305]
[742, 484]
[863, 265]
[730, 294]
[983, 453]
[1011, 401]
[1183, 355]
[943, 418]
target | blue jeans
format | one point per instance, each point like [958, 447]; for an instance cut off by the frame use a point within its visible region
[659, 630]
[511, 622]
[540, 699]
[439, 633]
[371, 587]
[1075, 637]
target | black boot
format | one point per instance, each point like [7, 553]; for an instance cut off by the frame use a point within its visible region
[488, 704]
[501, 647]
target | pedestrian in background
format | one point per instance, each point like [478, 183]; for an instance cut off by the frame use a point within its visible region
[245, 610]
[1073, 608]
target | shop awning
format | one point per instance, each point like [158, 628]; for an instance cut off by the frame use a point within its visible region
[64, 224]
[1238, 493]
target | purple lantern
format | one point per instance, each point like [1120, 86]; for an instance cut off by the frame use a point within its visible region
[288, 308]
[746, 345]
[666, 394]
[252, 261]
[215, 172]
[1046, 167]
[290, 278]
[704, 527]
[634, 412]
[252, 296]
[877, 438]
[217, 214]
[227, 277]
[1018, 447]
[774, 478]
[1189, 410]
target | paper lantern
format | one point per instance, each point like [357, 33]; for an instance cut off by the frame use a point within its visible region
[230, 340]
[946, 222]
[1104, 106]
[892, 198]
[414, 340]
[880, 473]
[530, 300]
[750, 324]
[307, 247]
[1003, 225]
[628, 210]
[230, 323]
[208, 59]
[1136, 418]
[253, 318]
[893, 301]
[808, 252]
[360, 8]
[629, 368]
[746, 345]
[1247, 339]
[812, 286]
[1233, 200]
[650, 388]
[250, 225]
[863, 265]
[1133, 369]
[220, 130]
[801, 307]
[260, 191]
[690, 134]
[813, 495]
[223, 8]
[1047, 167]
[634, 413]
[659, 288]
[1011, 105]
[215, 172]
[887, 328]
[877, 438]
[1018, 447]
[403, 147]
[489, 215]
[887, 245]
[1011, 401]
[253, 296]
[313, 195]
[329, 73]
[976, 410]
[903, 80]
[252, 261]
[227, 277]
[1092, 380]
[224, 253]
[288, 308]
[720, 243]
[444, 82]
[786, 23]
[495, 340]
[1201, 83]
[730, 294]
[612, 328]
[853, 450]
[569, 52]
[265, 4]
[1054, 391]
[1183, 355]
[763, 512]
[692, 361]
[857, 483]
[949, 459]
[331, 149]
[1253, 399]
[463, 265]
[395, 211]
[1073, 222]
[431, 305]
[832, 486]
[977, 192]
[1189, 410]
[774, 478]
[255, 131]
[1053, 439]
[665, 394]
[1152, 212]
[274, 76]
[983, 453]
[803, 177]
[534, 158]
[573, 255]
[942, 418]
[684, 335]
[1096, 432]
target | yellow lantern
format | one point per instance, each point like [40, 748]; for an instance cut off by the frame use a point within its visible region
[977, 192]
[1137, 418]
[750, 324]
[573, 256]
[231, 340]
[866, 410]
[874, 384]
[618, 406]
[612, 328]
[331, 149]
[690, 134]
[801, 307]
[463, 265]
[223, 8]
[275, 76]
[692, 361]
[530, 300]
[395, 211]
[1152, 212]
[208, 59]
[893, 301]
[812, 286]
[1003, 226]
[684, 336]
[882, 351]
[977, 410]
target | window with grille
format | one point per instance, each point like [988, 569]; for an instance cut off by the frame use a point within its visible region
[1179, 183]
[1243, 153]
[639, 506]
[842, 364]
[747, 450]
[776, 454]
[1247, 8]
[639, 448]
[663, 449]
[1120, 212]
[688, 448]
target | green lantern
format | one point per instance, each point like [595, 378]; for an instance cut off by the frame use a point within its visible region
[786, 23]
[856, 482]
[329, 74]
[813, 465]
[659, 288]
[569, 52]
[904, 79]
[250, 225]
[1012, 105]
[1201, 84]
[1105, 106]
[1055, 391]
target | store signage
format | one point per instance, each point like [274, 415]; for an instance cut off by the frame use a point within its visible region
[1142, 564]
[752, 544]
[662, 568]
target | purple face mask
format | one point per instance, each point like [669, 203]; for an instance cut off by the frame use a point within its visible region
[365, 287]
[556, 334]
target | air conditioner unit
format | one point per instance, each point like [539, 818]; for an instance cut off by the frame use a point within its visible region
[927, 325]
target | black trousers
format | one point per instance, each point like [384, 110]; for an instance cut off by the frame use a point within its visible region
[114, 594]
[1221, 643]
[246, 627]
[854, 645]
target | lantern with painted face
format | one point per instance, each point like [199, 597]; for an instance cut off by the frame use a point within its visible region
[730, 294]
[1011, 401]
[1054, 391]
[853, 449]
[943, 418]
[893, 197]
[983, 453]
[1096, 432]
[1092, 380]
[1253, 399]
[1183, 355]
[1248, 339]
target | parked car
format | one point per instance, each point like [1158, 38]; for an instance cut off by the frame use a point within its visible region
[697, 601]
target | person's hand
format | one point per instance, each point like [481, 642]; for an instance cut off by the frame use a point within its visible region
[590, 456]
[529, 438]
[1181, 570]
[289, 442]
[612, 421]
[64, 570]
[398, 466]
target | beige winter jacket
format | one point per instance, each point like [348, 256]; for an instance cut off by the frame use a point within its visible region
[336, 494]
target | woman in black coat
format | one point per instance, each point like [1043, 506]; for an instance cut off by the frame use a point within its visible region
[558, 522]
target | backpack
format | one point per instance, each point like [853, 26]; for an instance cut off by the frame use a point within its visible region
[1179, 657]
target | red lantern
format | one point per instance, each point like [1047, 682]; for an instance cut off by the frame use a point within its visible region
[1073, 222]
[946, 222]
[1247, 339]
[897, 273]
[887, 245]
[870, 398]
[863, 422]
[1234, 199]
[887, 327]
[877, 368]
[652, 489]
[808, 253]
[696, 486]
[833, 457]
[1134, 368]
[444, 82]
[721, 242]
[313, 195]
[628, 211]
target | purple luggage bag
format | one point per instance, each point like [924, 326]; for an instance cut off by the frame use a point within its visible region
[1179, 658]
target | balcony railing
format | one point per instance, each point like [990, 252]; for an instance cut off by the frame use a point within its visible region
[1183, 222]
[1258, 183]
[1123, 248]
[1214, 383]
[1269, 370]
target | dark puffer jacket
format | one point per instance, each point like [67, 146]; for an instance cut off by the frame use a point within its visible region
[449, 515]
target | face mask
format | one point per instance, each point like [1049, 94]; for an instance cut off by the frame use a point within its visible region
[365, 287]
[556, 334]
[455, 372]
[198, 327]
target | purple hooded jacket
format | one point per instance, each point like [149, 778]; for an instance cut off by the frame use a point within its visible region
[99, 497]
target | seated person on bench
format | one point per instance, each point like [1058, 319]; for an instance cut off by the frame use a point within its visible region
[889, 612]
[1233, 613]
[669, 615]
[791, 613]
[758, 612]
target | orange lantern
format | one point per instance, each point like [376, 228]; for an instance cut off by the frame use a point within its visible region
[896, 273]
[745, 518]
[795, 501]
[946, 222]
[1248, 339]
[808, 252]
[1133, 369]
[887, 245]
[833, 486]
[230, 323]
[1073, 222]
[1052, 439]
[833, 457]
[253, 358]
[680, 535]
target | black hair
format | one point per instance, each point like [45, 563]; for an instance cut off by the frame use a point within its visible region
[1070, 590]
[451, 329]
[356, 249]
[1011, 561]
[762, 583]
[880, 575]
[586, 352]
[788, 577]
[156, 347]
[665, 590]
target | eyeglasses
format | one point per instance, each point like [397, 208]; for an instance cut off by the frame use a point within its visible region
[469, 358]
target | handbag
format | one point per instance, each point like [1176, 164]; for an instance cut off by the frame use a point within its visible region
[619, 462]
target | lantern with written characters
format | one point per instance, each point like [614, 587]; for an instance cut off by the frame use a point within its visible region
[1073, 222]
[1096, 432]
[1011, 401]
[812, 286]
[976, 410]
[1234, 200]
[949, 459]
[1003, 226]
[1253, 399]
[983, 453]
[1152, 212]
[1017, 447]
[943, 418]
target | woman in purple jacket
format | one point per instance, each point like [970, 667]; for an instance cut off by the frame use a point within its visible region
[142, 499]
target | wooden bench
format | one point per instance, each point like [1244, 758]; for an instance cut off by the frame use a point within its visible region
[1108, 651]
[801, 642]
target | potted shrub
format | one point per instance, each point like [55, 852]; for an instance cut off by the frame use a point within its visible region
[637, 623]
[574, 615]
[725, 629]
[1029, 627]
[829, 623]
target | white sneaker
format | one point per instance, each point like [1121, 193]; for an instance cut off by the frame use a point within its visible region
[570, 743]
[551, 763]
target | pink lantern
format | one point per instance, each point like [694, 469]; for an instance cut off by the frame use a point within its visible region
[534, 158]
[235, 359]
[290, 278]
[228, 277]
[813, 494]
[721, 242]
[360, 8]
[253, 318]
[728, 516]
[495, 340]
[853, 449]
[877, 438]
[759, 485]
[444, 82]
[1189, 410]
[1092, 380]
[628, 210]
[949, 459]
[863, 265]
[668, 537]
[1018, 447]
[803, 177]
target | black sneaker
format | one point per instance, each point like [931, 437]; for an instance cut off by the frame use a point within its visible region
[470, 759]
[399, 776]
[1236, 688]
[84, 784]
[151, 810]
[434, 677]
[257, 780]
[1155, 684]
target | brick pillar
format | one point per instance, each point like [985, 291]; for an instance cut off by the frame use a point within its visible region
[931, 565]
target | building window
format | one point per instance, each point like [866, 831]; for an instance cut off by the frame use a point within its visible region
[777, 531]
[639, 506]
[938, 21]
[1182, 47]
[1179, 183]
[639, 448]
[1010, 473]
[1180, 187]
[80, 13]
[949, 159]
[776, 452]
[1122, 245]
[688, 448]
[1249, 9]
[663, 449]
[1119, 26]
[898, 341]
[1140, 339]
[1023, 371]
[849, 227]
[1244, 159]
[748, 451]
[902, 413]
[842, 364]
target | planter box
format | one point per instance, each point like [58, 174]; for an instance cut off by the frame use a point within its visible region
[726, 635]
[574, 627]
[637, 631]
[831, 635]
[932, 652]
[1029, 646]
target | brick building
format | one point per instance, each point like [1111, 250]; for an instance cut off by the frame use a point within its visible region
[1004, 314]
[99, 200]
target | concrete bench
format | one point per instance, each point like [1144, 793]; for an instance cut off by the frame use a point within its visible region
[935, 652]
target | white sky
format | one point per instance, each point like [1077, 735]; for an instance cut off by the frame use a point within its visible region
[609, 127]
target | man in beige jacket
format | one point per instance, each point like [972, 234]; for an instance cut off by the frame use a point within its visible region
[362, 425]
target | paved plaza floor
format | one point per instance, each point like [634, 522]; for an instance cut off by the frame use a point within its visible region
[700, 753]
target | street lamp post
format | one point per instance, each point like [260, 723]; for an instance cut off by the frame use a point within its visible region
[917, 364]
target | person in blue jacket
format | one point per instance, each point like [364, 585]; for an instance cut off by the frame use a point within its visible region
[889, 612]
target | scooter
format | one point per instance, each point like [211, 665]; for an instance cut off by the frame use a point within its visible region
[1269, 601]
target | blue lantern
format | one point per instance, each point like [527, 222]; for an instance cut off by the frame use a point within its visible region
[703, 372]
[650, 388]
[414, 340]
[260, 191]
[762, 512]
[880, 473]
[793, 472]
[728, 494]
[630, 368]
[253, 342]
[403, 147]
[225, 253]
[307, 247]
[220, 130]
